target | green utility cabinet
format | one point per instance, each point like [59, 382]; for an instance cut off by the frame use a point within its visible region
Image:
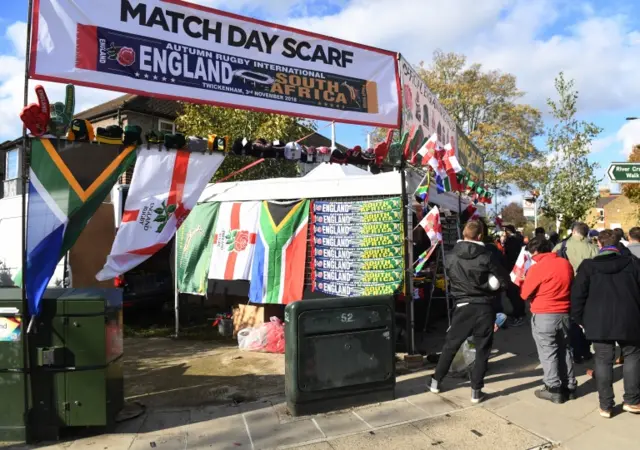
[75, 361]
[340, 352]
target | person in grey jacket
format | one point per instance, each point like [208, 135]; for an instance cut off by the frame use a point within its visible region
[634, 241]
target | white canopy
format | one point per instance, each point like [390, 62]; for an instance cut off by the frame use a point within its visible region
[327, 180]
[328, 171]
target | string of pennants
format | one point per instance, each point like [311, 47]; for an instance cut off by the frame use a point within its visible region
[450, 176]
[42, 119]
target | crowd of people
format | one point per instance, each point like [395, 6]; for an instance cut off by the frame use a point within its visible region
[583, 291]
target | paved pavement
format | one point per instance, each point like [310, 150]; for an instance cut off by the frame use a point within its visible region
[511, 418]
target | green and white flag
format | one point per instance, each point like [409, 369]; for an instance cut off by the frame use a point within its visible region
[195, 244]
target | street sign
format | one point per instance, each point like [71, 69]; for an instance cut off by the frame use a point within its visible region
[529, 207]
[624, 172]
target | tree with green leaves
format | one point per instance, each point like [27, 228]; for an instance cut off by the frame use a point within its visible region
[632, 190]
[572, 186]
[513, 214]
[203, 120]
[487, 106]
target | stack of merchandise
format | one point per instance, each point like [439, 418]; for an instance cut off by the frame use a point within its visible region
[357, 247]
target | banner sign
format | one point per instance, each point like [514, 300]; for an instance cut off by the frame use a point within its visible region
[470, 157]
[181, 51]
[357, 247]
[421, 109]
[350, 290]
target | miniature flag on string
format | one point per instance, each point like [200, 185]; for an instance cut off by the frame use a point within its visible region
[428, 150]
[471, 213]
[422, 193]
[432, 153]
[451, 160]
[432, 226]
[424, 257]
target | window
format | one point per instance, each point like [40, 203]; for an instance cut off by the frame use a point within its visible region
[13, 164]
[600, 215]
[166, 126]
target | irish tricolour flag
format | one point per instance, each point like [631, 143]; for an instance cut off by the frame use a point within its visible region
[67, 183]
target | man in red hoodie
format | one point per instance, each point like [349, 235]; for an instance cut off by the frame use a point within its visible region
[548, 286]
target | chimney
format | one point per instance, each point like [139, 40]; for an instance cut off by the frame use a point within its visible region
[604, 192]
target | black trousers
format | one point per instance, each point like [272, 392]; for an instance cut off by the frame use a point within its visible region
[517, 308]
[579, 343]
[605, 358]
[469, 320]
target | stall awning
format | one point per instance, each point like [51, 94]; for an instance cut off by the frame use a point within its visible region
[317, 186]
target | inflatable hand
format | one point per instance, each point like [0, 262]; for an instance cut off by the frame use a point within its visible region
[381, 150]
[62, 113]
[35, 116]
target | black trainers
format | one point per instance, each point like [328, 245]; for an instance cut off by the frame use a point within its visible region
[552, 394]
[569, 394]
[477, 396]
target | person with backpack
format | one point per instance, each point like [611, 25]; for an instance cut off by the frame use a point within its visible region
[605, 301]
[548, 286]
[577, 248]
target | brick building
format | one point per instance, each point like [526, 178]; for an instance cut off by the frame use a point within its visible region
[613, 211]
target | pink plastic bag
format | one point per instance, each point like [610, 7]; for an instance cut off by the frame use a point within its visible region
[275, 336]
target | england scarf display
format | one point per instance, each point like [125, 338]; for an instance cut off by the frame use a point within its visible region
[234, 241]
[165, 187]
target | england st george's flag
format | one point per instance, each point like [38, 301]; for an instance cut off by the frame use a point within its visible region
[165, 187]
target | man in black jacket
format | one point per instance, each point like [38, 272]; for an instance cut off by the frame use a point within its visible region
[605, 301]
[515, 306]
[474, 277]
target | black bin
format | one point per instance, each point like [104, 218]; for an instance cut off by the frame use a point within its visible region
[340, 352]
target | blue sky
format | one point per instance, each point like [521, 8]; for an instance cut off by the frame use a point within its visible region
[597, 43]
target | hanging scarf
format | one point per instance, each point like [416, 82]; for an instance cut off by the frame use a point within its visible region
[610, 250]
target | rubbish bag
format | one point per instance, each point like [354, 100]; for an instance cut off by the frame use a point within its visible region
[251, 339]
[464, 360]
[274, 342]
[268, 337]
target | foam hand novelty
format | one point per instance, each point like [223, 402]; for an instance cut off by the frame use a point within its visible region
[62, 113]
[381, 150]
[35, 116]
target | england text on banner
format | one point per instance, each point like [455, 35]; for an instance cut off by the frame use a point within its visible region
[66, 187]
[182, 51]
[164, 189]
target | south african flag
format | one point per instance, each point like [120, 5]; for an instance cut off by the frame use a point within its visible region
[67, 183]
